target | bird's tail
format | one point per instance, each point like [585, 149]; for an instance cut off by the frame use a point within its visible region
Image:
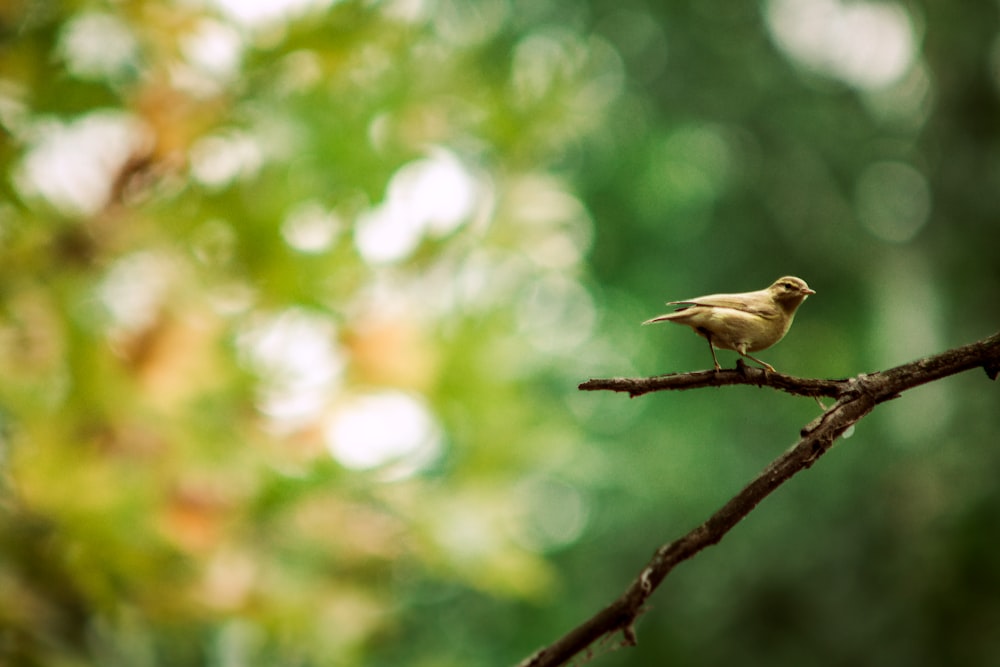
[660, 318]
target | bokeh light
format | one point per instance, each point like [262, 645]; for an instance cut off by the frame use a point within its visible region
[893, 201]
[298, 362]
[869, 45]
[377, 430]
[72, 166]
[429, 197]
[311, 228]
[98, 45]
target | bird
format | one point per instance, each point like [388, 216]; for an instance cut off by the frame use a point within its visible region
[745, 322]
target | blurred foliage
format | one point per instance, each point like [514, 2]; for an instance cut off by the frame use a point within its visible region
[295, 295]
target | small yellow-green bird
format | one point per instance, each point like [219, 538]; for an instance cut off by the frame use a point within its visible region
[745, 322]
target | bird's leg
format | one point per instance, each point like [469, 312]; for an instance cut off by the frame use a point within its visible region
[762, 363]
[742, 349]
[711, 348]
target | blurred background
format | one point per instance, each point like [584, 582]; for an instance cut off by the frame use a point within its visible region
[295, 296]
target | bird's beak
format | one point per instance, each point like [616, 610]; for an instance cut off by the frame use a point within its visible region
[806, 290]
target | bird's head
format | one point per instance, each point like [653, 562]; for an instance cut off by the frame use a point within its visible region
[789, 292]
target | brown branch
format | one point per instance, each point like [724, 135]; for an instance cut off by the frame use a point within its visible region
[856, 397]
[742, 374]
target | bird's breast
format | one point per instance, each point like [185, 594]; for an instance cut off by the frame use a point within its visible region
[731, 329]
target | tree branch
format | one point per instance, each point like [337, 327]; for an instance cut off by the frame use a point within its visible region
[742, 374]
[856, 397]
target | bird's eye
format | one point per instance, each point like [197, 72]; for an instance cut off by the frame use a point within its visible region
[788, 286]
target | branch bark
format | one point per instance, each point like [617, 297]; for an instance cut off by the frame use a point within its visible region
[855, 398]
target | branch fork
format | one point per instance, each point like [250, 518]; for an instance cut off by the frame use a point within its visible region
[855, 398]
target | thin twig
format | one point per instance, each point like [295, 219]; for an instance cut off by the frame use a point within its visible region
[856, 397]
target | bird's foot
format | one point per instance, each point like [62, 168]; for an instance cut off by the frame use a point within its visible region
[742, 366]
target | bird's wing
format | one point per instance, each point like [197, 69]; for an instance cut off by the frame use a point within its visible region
[740, 302]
